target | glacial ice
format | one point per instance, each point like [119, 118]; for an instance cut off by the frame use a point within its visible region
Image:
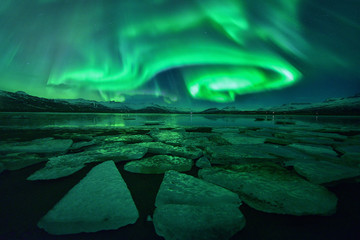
[100, 201]
[166, 149]
[183, 222]
[43, 145]
[315, 149]
[180, 188]
[320, 172]
[190, 208]
[16, 161]
[65, 165]
[159, 164]
[203, 162]
[236, 154]
[270, 188]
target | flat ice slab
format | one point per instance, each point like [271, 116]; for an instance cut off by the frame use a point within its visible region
[159, 164]
[180, 188]
[270, 188]
[320, 172]
[100, 201]
[190, 208]
[43, 145]
[207, 222]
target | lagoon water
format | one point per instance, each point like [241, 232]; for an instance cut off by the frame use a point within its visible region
[23, 203]
[115, 120]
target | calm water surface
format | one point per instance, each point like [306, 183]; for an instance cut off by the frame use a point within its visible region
[103, 120]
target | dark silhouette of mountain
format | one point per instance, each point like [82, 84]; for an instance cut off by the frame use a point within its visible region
[211, 110]
[22, 102]
[331, 106]
[154, 108]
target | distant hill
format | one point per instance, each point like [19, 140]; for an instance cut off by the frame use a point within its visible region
[22, 102]
[332, 106]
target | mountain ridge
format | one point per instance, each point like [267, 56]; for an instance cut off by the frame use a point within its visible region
[23, 102]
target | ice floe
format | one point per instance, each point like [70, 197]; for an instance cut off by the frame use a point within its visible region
[322, 171]
[270, 188]
[159, 164]
[203, 162]
[190, 208]
[100, 201]
[43, 145]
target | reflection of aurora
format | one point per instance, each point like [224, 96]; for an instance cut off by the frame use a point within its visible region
[118, 46]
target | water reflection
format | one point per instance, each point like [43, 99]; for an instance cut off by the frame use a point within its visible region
[101, 120]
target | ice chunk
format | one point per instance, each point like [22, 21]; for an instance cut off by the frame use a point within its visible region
[322, 171]
[169, 137]
[56, 171]
[203, 162]
[100, 201]
[127, 138]
[16, 161]
[159, 164]
[241, 153]
[180, 188]
[68, 164]
[117, 151]
[351, 159]
[183, 222]
[74, 136]
[271, 188]
[351, 149]
[63, 166]
[162, 148]
[315, 149]
[189, 208]
[43, 145]
[82, 144]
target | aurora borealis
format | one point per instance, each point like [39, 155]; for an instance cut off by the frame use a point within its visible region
[217, 50]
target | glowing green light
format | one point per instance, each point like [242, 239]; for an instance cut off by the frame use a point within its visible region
[209, 82]
[119, 46]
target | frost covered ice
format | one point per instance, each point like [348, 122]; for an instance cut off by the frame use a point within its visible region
[183, 222]
[320, 172]
[270, 188]
[16, 161]
[65, 165]
[180, 188]
[100, 201]
[43, 145]
[159, 164]
[162, 148]
[203, 162]
[190, 208]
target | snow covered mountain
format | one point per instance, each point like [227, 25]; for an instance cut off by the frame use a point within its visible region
[331, 106]
[22, 102]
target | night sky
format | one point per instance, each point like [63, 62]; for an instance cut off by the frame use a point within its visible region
[191, 53]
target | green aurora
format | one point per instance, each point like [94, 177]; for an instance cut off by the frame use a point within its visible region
[115, 49]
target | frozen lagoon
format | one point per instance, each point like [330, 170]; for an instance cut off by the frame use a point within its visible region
[281, 139]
